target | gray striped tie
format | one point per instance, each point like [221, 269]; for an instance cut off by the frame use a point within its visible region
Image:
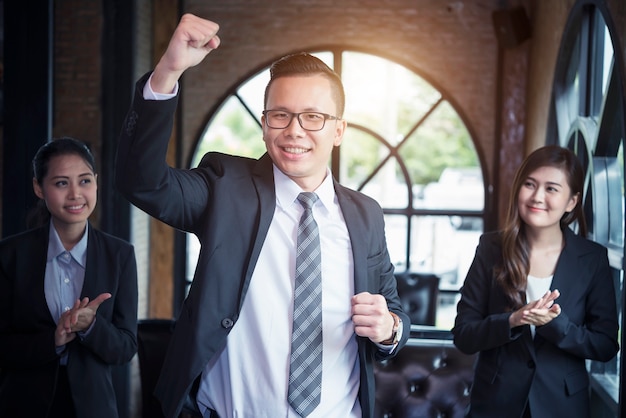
[305, 371]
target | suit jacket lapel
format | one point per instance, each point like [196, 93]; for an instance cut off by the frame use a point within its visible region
[566, 268]
[35, 272]
[263, 178]
[92, 276]
[356, 228]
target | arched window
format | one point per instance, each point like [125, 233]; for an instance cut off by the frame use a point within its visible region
[406, 146]
[587, 115]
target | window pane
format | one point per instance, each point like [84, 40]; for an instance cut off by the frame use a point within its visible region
[441, 141]
[444, 246]
[361, 154]
[387, 187]
[384, 96]
[616, 233]
[234, 131]
[252, 91]
[396, 227]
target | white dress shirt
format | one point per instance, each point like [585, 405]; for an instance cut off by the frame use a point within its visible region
[249, 377]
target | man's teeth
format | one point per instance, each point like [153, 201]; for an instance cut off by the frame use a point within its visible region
[296, 150]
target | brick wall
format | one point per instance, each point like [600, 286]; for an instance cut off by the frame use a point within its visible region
[453, 47]
[77, 73]
[452, 44]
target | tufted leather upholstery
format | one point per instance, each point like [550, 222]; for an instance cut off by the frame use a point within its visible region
[428, 378]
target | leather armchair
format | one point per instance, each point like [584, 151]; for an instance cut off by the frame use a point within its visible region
[428, 378]
[419, 295]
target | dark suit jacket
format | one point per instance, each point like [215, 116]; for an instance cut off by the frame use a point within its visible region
[28, 360]
[228, 202]
[548, 371]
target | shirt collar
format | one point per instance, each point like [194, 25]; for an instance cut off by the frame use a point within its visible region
[55, 247]
[287, 190]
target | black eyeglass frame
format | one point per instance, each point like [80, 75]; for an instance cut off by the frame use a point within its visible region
[297, 116]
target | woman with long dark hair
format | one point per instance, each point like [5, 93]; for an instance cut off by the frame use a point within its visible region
[538, 299]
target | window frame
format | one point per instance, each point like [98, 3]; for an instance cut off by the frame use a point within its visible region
[590, 120]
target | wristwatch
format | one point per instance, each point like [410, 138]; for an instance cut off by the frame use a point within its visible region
[395, 335]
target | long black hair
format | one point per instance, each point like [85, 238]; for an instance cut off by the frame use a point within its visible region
[515, 248]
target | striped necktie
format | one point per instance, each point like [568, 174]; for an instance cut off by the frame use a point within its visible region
[305, 371]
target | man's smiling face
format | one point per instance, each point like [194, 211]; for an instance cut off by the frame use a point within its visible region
[302, 155]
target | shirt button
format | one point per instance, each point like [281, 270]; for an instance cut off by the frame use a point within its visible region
[67, 308]
[66, 280]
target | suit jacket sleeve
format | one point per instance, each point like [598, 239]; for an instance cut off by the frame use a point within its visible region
[175, 196]
[26, 325]
[482, 321]
[587, 326]
[112, 269]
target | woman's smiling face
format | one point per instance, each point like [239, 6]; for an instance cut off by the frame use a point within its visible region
[544, 197]
[69, 190]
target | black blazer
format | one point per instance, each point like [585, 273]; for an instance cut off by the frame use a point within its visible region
[548, 371]
[28, 360]
[229, 202]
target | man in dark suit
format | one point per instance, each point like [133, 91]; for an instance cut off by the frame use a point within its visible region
[233, 335]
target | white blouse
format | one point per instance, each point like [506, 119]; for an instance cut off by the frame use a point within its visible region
[536, 287]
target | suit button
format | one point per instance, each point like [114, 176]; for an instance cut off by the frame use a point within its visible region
[227, 323]
[531, 364]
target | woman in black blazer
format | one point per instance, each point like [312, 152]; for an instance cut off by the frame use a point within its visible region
[538, 299]
[68, 298]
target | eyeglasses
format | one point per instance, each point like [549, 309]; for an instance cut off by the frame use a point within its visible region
[310, 121]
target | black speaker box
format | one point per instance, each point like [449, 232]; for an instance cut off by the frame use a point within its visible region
[512, 26]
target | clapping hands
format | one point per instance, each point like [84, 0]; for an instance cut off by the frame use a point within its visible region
[78, 318]
[538, 312]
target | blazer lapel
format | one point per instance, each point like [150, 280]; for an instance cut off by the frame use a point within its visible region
[566, 268]
[35, 272]
[356, 229]
[92, 272]
[263, 178]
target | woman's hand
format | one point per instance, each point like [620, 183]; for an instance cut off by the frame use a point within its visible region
[78, 318]
[538, 312]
